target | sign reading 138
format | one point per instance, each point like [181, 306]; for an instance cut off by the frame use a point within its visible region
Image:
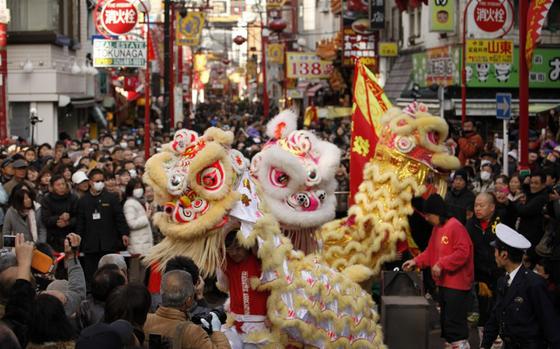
[307, 65]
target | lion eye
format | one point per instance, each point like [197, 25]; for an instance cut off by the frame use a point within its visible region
[212, 177]
[279, 178]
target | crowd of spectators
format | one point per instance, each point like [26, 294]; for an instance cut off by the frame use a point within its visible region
[89, 194]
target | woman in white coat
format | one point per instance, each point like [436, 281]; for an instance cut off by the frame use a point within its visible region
[137, 215]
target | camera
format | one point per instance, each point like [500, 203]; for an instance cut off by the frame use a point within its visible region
[9, 241]
[205, 319]
[555, 188]
[34, 118]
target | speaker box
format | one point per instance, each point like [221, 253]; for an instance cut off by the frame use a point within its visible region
[399, 283]
[405, 322]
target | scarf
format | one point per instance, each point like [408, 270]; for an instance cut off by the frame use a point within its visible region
[32, 223]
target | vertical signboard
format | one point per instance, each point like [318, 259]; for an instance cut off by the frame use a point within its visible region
[442, 15]
[377, 14]
[189, 28]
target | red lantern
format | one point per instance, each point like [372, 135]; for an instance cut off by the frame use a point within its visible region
[277, 25]
[226, 61]
[239, 40]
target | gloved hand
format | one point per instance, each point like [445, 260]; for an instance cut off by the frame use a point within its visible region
[216, 323]
[205, 321]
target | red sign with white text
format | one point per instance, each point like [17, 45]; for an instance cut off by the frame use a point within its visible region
[119, 17]
[492, 17]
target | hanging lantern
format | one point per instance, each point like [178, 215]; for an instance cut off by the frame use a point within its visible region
[277, 25]
[226, 61]
[239, 40]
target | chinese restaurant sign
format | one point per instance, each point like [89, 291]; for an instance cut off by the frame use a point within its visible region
[489, 51]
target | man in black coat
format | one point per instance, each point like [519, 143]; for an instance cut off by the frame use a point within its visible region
[530, 208]
[481, 228]
[58, 212]
[460, 200]
[523, 315]
[100, 222]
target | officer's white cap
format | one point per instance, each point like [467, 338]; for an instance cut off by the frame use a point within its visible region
[511, 238]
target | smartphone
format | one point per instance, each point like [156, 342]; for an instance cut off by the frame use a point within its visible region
[9, 241]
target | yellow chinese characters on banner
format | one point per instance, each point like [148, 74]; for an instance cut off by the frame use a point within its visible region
[388, 49]
[307, 66]
[189, 28]
[275, 53]
[489, 51]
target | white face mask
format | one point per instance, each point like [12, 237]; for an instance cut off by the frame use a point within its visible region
[98, 186]
[133, 173]
[138, 193]
[485, 175]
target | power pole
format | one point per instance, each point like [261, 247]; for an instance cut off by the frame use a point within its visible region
[167, 63]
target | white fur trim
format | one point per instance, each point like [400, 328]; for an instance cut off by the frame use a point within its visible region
[288, 117]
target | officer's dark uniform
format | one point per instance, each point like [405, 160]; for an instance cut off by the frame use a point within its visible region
[523, 315]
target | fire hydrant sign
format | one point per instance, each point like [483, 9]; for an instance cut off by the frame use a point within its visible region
[481, 51]
[119, 17]
[490, 18]
[119, 53]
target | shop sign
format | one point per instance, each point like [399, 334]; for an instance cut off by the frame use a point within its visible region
[377, 14]
[307, 66]
[119, 17]
[442, 15]
[388, 49]
[119, 53]
[359, 42]
[544, 72]
[490, 18]
[275, 53]
[437, 66]
[489, 51]
[189, 28]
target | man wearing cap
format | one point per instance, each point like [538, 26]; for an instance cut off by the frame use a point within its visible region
[7, 170]
[81, 183]
[20, 174]
[450, 256]
[523, 315]
[460, 199]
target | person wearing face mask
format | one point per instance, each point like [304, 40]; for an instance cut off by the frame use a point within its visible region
[100, 222]
[485, 182]
[137, 217]
[470, 143]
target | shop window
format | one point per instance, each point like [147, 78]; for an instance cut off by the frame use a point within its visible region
[19, 119]
[46, 19]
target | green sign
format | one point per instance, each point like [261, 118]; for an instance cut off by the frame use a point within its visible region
[119, 53]
[442, 15]
[430, 68]
[545, 71]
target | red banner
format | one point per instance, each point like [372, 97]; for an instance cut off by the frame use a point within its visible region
[370, 103]
[535, 19]
[3, 80]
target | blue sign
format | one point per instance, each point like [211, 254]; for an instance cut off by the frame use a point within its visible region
[503, 106]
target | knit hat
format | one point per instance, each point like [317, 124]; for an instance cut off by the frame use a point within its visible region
[435, 205]
[461, 173]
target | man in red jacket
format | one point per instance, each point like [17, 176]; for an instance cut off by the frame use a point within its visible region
[450, 256]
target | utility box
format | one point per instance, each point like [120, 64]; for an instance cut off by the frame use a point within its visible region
[406, 322]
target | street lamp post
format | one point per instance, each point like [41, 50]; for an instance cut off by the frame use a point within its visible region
[147, 104]
[264, 39]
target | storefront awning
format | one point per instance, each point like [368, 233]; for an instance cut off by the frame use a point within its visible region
[487, 107]
[82, 102]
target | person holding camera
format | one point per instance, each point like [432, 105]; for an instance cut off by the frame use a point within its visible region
[170, 323]
[470, 143]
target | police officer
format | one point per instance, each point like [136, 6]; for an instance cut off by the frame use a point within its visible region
[523, 315]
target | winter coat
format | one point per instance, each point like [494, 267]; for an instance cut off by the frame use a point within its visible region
[469, 146]
[101, 223]
[458, 203]
[52, 207]
[140, 238]
[451, 248]
[531, 223]
[15, 223]
[485, 268]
